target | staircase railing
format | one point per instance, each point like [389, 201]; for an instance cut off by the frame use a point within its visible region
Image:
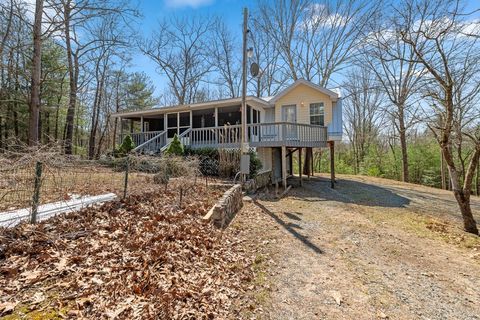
[184, 139]
[154, 144]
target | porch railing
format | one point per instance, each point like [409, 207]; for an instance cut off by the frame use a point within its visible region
[153, 145]
[286, 133]
[259, 135]
[226, 136]
[140, 137]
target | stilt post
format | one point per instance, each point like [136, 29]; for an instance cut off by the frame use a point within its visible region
[332, 163]
[284, 167]
[300, 167]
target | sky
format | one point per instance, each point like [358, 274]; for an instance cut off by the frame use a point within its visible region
[230, 10]
[155, 10]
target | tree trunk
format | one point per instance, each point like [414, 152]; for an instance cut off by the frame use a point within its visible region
[403, 146]
[73, 77]
[469, 223]
[478, 180]
[462, 195]
[34, 107]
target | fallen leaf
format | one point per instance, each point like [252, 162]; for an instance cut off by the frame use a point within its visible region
[7, 307]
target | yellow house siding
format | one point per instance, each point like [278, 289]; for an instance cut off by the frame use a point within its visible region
[302, 96]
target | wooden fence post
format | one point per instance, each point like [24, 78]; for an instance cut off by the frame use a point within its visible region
[125, 186]
[36, 192]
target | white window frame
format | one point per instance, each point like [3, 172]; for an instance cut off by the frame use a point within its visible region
[321, 114]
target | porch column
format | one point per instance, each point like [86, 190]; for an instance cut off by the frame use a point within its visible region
[121, 131]
[284, 166]
[332, 163]
[216, 116]
[141, 124]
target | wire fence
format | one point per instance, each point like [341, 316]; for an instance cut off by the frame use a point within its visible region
[46, 184]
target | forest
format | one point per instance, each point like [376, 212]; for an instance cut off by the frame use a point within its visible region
[408, 72]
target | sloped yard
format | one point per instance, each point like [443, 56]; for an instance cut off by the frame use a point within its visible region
[145, 257]
[370, 249]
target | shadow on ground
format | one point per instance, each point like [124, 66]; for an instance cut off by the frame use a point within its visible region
[290, 227]
[348, 191]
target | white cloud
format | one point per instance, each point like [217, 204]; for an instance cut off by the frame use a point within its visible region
[320, 15]
[187, 3]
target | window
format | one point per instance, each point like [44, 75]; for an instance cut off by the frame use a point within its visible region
[317, 114]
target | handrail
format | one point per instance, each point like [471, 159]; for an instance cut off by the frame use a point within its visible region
[181, 136]
[149, 141]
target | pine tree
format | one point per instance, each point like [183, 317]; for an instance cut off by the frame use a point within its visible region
[175, 147]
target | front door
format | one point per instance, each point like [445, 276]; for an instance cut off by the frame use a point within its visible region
[289, 114]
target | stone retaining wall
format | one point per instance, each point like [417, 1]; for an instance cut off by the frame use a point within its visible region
[226, 208]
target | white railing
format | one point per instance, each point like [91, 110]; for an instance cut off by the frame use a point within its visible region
[226, 136]
[184, 139]
[286, 133]
[139, 138]
[154, 144]
[259, 135]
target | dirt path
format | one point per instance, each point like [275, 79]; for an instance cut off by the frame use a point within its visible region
[369, 249]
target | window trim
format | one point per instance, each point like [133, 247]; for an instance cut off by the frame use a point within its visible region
[321, 114]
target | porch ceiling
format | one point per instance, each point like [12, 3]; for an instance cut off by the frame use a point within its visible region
[252, 101]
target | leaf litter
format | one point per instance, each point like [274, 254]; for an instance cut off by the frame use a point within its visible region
[138, 258]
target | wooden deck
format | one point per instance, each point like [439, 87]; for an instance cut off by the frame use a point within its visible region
[278, 134]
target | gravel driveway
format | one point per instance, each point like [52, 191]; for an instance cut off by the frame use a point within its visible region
[370, 249]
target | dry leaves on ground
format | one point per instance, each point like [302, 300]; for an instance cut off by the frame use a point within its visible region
[140, 258]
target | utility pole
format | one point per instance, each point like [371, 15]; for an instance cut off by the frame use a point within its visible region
[245, 159]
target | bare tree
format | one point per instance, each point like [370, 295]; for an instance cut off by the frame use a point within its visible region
[78, 20]
[362, 104]
[180, 47]
[316, 40]
[398, 74]
[435, 32]
[36, 74]
[225, 61]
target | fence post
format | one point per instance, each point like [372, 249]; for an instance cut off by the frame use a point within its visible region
[125, 186]
[36, 192]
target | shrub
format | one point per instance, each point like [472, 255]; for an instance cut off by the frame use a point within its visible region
[125, 148]
[175, 147]
[255, 164]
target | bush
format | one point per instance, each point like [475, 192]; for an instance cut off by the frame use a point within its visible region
[255, 164]
[125, 148]
[175, 147]
[207, 159]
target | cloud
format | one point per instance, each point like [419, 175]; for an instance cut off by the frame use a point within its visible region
[187, 3]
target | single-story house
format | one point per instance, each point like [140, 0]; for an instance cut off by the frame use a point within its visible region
[303, 115]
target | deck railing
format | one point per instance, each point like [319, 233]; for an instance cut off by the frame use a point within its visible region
[259, 135]
[140, 137]
[287, 134]
[226, 136]
[154, 144]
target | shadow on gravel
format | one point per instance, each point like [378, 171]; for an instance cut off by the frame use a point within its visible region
[290, 227]
[349, 191]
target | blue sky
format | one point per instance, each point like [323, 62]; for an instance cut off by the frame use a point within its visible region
[155, 10]
[229, 10]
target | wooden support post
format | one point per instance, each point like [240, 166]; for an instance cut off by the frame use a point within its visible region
[141, 125]
[312, 168]
[332, 163]
[290, 160]
[284, 167]
[300, 168]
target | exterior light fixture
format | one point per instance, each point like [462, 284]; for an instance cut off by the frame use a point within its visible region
[250, 52]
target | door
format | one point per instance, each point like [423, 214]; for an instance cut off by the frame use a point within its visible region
[289, 114]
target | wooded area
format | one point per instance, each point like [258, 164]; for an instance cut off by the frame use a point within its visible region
[409, 73]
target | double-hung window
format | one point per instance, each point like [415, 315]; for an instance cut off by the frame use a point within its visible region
[317, 114]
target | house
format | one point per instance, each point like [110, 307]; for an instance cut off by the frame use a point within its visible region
[302, 116]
